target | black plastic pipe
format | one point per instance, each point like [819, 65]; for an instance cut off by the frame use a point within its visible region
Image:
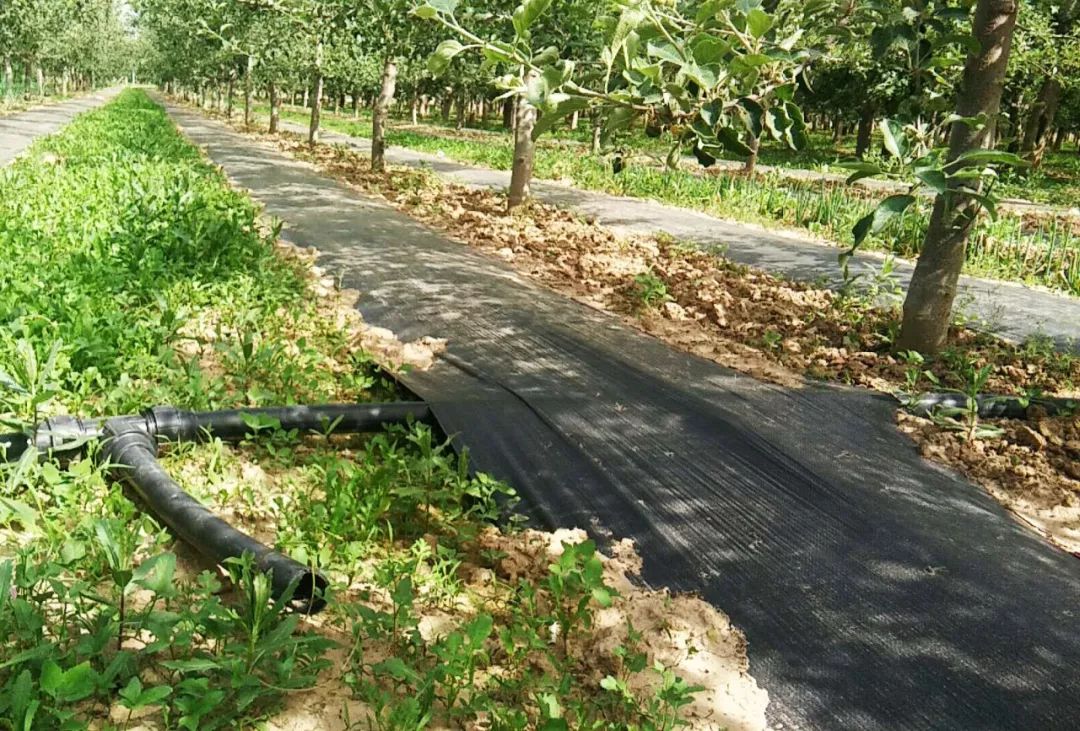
[68, 436]
[130, 444]
[990, 406]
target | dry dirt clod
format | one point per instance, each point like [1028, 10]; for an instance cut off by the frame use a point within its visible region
[1028, 437]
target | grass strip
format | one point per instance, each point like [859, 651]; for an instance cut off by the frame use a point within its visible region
[1042, 250]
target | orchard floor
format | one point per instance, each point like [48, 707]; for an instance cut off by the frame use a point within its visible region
[876, 590]
[1010, 310]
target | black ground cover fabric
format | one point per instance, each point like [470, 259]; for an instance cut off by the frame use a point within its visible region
[877, 591]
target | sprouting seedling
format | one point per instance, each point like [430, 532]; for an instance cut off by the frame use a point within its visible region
[30, 384]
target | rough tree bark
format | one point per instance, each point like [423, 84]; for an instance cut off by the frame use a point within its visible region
[275, 107]
[249, 92]
[378, 118]
[1059, 139]
[9, 78]
[1039, 121]
[866, 129]
[597, 132]
[524, 149]
[508, 114]
[751, 161]
[229, 98]
[929, 301]
[316, 102]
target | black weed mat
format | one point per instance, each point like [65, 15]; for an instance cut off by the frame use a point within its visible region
[876, 590]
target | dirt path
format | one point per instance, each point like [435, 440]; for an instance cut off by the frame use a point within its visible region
[1012, 311]
[876, 591]
[18, 131]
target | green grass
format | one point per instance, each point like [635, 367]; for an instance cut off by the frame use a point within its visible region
[135, 276]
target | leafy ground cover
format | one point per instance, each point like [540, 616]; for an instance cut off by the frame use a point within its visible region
[134, 276]
[1035, 248]
[774, 329]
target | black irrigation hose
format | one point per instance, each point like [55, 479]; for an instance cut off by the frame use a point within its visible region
[130, 444]
[989, 406]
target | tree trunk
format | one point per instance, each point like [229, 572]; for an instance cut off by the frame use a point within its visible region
[1059, 139]
[574, 120]
[524, 150]
[39, 75]
[356, 103]
[508, 114]
[459, 120]
[866, 130]
[304, 101]
[9, 78]
[838, 130]
[414, 110]
[447, 103]
[275, 108]
[1039, 121]
[378, 118]
[249, 92]
[316, 102]
[928, 306]
[751, 162]
[597, 132]
[229, 99]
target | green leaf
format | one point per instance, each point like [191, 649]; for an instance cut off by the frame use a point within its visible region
[565, 107]
[708, 50]
[602, 596]
[933, 178]
[629, 20]
[69, 685]
[527, 13]
[880, 217]
[156, 573]
[797, 138]
[444, 6]
[22, 700]
[665, 51]
[425, 12]
[758, 22]
[860, 170]
[777, 122]
[197, 665]
[729, 140]
[480, 629]
[440, 60]
[7, 571]
[497, 51]
[396, 668]
[154, 696]
[546, 56]
[991, 157]
[893, 135]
